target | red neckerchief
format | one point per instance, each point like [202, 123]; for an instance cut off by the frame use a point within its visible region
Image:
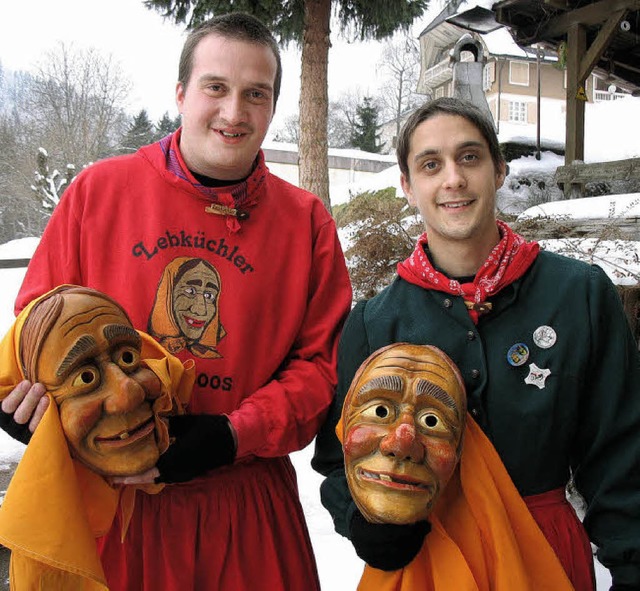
[508, 261]
[241, 196]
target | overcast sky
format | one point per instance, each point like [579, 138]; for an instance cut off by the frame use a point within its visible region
[148, 48]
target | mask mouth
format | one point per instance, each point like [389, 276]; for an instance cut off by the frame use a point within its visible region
[395, 481]
[127, 436]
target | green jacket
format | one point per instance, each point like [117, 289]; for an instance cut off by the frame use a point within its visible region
[585, 420]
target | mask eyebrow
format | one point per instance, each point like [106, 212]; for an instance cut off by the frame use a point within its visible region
[426, 388]
[80, 349]
[390, 383]
[116, 332]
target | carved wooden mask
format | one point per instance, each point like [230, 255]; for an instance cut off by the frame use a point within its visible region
[83, 348]
[403, 421]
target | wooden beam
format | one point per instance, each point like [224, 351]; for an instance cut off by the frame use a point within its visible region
[574, 146]
[614, 170]
[14, 263]
[592, 14]
[599, 44]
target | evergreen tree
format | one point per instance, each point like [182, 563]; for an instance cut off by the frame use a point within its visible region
[365, 128]
[140, 133]
[307, 23]
[166, 126]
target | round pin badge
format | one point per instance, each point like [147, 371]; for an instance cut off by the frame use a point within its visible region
[545, 337]
[518, 354]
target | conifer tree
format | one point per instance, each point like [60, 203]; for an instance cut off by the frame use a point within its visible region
[307, 23]
[140, 133]
[365, 134]
[166, 126]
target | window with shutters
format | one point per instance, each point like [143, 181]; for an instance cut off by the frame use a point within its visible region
[487, 77]
[517, 112]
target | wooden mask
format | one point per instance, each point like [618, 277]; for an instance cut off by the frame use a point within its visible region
[402, 427]
[82, 347]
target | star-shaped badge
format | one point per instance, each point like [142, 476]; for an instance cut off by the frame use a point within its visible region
[537, 376]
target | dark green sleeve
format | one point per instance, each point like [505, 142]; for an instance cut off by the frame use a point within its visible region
[606, 458]
[328, 458]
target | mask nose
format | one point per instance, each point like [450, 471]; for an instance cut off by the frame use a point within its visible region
[124, 394]
[402, 443]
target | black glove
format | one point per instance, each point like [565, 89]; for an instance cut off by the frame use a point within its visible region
[202, 443]
[385, 545]
[18, 431]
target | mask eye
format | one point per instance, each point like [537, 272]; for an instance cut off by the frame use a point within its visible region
[381, 411]
[87, 377]
[127, 358]
[431, 422]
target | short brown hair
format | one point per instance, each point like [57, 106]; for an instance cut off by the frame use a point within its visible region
[238, 26]
[448, 106]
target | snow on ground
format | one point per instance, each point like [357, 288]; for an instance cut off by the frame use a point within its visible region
[620, 259]
[339, 566]
[602, 207]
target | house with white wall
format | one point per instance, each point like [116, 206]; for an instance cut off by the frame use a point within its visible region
[524, 86]
[345, 166]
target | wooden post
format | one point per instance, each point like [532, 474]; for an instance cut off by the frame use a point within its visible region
[574, 147]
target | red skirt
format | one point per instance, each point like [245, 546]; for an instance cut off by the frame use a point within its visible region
[241, 528]
[565, 533]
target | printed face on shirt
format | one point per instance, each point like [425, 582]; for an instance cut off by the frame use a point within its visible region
[453, 182]
[226, 106]
[403, 421]
[90, 362]
[195, 300]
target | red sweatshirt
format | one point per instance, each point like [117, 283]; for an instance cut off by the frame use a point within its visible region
[259, 306]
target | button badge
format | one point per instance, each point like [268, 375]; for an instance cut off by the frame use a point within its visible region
[537, 376]
[545, 337]
[518, 354]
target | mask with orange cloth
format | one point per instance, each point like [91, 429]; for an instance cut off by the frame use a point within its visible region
[411, 455]
[109, 387]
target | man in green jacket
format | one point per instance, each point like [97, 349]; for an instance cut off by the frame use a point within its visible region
[551, 368]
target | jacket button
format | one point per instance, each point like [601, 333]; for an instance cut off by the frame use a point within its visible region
[447, 303]
[475, 412]
[471, 335]
[475, 374]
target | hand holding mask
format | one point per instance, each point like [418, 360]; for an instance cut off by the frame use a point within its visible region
[81, 345]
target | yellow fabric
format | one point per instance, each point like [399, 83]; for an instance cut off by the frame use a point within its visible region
[55, 507]
[483, 536]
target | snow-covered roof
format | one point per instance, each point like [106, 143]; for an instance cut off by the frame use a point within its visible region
[457, 7]
[500, 42]
[344, 153]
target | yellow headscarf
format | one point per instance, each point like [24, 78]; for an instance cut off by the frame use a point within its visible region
[55, 506]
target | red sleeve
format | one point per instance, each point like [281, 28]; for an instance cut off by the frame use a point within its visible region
[286, 413]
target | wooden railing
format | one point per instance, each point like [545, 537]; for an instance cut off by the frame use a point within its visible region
[14, 263]
[572, 178]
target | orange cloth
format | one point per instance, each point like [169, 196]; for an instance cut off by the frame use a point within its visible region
[483, 537]
[55, 507]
